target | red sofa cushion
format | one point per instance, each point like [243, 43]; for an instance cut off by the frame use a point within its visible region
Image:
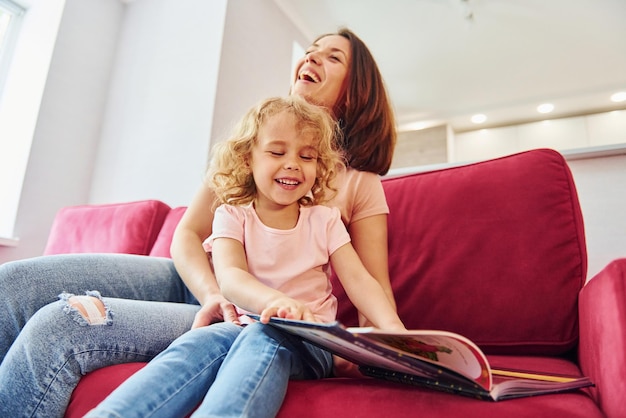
[129, 228]
[161, 247]
[97, 385]
[493, 250]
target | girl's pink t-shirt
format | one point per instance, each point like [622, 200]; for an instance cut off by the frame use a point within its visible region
[294, 261]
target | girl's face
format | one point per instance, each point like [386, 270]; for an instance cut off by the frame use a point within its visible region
[283, 162]
[320, 75]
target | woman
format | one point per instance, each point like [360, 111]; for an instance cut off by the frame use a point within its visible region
[271, 243]
[51, 353]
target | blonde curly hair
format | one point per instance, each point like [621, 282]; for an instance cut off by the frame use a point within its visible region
[229, 174]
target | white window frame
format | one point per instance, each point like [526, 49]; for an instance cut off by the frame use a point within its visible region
[8, 37]
[20, 101]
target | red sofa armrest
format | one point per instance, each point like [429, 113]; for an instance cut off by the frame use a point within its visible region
[602, 350]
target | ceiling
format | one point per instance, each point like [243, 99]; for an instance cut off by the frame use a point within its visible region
[446, 60]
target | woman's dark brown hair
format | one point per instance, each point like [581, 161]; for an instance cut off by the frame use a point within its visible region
[364, 112]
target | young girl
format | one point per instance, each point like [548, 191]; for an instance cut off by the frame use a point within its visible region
[271, 245]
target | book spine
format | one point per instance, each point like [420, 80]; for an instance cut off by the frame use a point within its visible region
[443, 385]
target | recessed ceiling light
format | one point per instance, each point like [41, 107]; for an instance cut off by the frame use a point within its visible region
[480, 118]
[545, 108]
[619, 97]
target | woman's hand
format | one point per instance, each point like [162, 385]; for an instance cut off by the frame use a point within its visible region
[215, 309]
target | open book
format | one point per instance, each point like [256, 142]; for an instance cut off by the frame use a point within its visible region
[437, 359]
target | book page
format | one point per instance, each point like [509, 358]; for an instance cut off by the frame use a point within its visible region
[437, 347]
[355, 353]
[334, 337]
[510, 385]
[424, 353]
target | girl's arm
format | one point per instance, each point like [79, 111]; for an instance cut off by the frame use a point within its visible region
[192, 263]
[369, 239]
[245, 291]
[364, 291]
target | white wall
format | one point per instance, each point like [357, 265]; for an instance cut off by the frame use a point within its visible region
[564, 134]
[185, 71]
[159, 109]
[256, 60]
[132, 100]
[601, 185]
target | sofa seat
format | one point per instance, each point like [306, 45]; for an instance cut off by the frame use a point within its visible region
[367, 397]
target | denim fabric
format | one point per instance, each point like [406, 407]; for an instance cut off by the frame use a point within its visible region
[231, 371]
[56, 347]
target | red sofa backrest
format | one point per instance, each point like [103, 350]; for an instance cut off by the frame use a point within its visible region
[493, 250]
[130, 228]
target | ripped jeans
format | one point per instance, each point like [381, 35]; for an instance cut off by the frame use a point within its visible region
[52, 347]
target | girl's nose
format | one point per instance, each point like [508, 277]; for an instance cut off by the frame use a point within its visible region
[292, 164]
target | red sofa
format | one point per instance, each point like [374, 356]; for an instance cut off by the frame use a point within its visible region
[493, 250]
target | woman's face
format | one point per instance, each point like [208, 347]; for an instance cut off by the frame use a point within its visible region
[320, 74]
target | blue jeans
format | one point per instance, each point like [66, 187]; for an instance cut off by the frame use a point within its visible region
[231, 371]
[46, 347]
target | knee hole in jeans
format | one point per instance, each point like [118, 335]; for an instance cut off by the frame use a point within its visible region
[90, 307]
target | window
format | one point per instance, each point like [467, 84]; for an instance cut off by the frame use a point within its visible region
[10, 19]
[26, 49]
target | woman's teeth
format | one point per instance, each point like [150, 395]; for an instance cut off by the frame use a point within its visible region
[309, 76]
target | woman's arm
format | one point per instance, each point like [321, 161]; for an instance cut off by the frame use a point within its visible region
[369, 239]
[192, 263]
[244, 290]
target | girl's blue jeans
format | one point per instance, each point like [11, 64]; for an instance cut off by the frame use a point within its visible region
[231, 371]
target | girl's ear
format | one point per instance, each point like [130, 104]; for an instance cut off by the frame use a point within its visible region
[247, 158]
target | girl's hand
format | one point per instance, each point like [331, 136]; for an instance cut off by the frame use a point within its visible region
[286, 308]
[345, 368]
